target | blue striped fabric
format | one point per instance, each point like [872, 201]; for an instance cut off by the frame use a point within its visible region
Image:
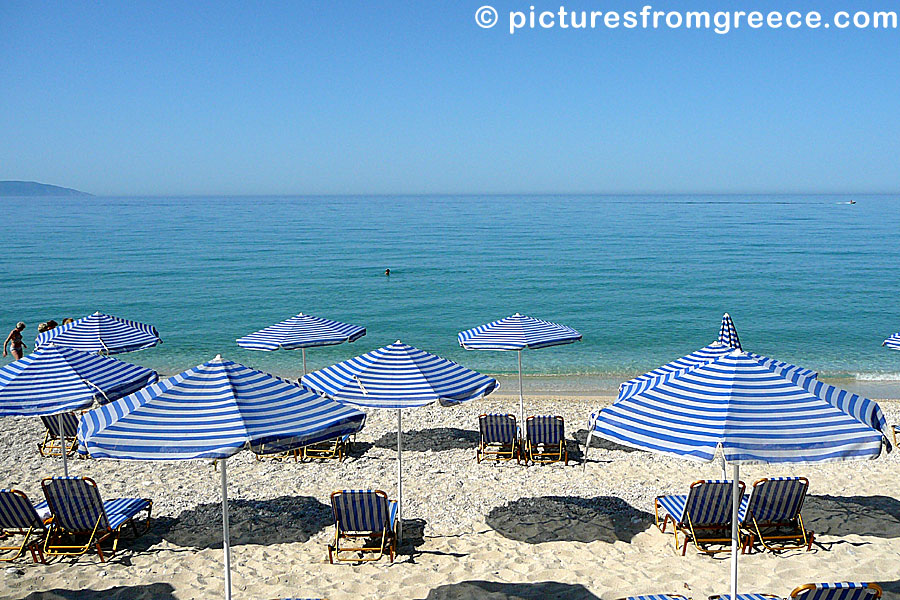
[70, 424]
[776, 500]
[727, 343]
[497, 428]
[399, 376]
[745, 597]
[838, 591]
[212, 411]
[544, 429]
[517, 332]
[728, 333]
[54, 379]
[17, 511]
[361, 510]
[76, 505]
[893, 341]
[708, 503]
[749, 406]
[101, 333]
[301, 331]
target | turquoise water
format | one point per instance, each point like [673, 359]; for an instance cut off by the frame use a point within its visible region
[809, 280]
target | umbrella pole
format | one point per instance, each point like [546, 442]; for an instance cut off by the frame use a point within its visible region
[303, 350]
[62, 444]
[521, 396]
[399, 478]
[226, 542]
[735, 505]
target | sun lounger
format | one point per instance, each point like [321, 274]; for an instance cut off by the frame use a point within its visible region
[18, 516]
[657, 597]
[746, 597]
[330, 449]
[895, 429]
[364, 515]
[703, 515]
[837, 591]
[545, 440]
[499, 438]
[51, 445]
[773, 514]
[78, 511]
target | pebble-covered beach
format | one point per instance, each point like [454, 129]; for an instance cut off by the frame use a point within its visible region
[471, 530]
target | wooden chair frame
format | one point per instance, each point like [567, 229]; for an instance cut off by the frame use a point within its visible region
[387, 543]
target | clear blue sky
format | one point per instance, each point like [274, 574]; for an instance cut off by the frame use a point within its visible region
[335, 97]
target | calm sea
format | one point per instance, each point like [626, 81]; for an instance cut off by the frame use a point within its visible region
[810, 280]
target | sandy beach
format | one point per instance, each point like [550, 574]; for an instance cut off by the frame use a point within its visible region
[471, 530]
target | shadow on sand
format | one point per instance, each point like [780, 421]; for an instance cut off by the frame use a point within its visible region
[490, 590]
[264, 522]
[569, 519]
[153, 591]
[436, 440]
[876, 516]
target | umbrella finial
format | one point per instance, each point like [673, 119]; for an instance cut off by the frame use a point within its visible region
[218, 357]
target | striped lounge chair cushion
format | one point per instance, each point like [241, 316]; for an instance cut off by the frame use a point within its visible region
[497, 428]
[839, 591]
[363, 510]
[76, 505]
[777, 500]
[707, 504]
[545, 429]
[70, 424]
[17, 512]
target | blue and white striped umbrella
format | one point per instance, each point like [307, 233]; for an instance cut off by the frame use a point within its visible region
[101, 333]
[399, 376]
[302, 332]
[893, 342]
[517, 332]
[756, 409]
[727, 342]
[54, 380]
[213, 411]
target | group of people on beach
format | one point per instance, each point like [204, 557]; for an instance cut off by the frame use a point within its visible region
[16, 344]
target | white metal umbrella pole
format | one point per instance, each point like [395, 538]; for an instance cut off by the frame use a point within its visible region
[399, 477]
[303, 350]
[62, 443]
[226, 542]
[735, 505]
[521, 396]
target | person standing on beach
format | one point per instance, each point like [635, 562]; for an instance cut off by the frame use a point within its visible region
[14, 339]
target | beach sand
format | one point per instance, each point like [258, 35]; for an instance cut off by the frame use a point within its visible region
[471, 530]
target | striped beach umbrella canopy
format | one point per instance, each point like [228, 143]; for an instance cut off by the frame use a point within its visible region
[213, 411]
[756, 410]
[101, 333]
[301, 332]
[893, 341]
[726, 343]
[53, 380]
[517, 332]
[399, 376]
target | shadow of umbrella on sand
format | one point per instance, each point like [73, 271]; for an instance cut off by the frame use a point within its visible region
[151, 591]
[568, 519]
[492, 590]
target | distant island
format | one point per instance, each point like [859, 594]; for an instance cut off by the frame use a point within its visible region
[34, 189]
